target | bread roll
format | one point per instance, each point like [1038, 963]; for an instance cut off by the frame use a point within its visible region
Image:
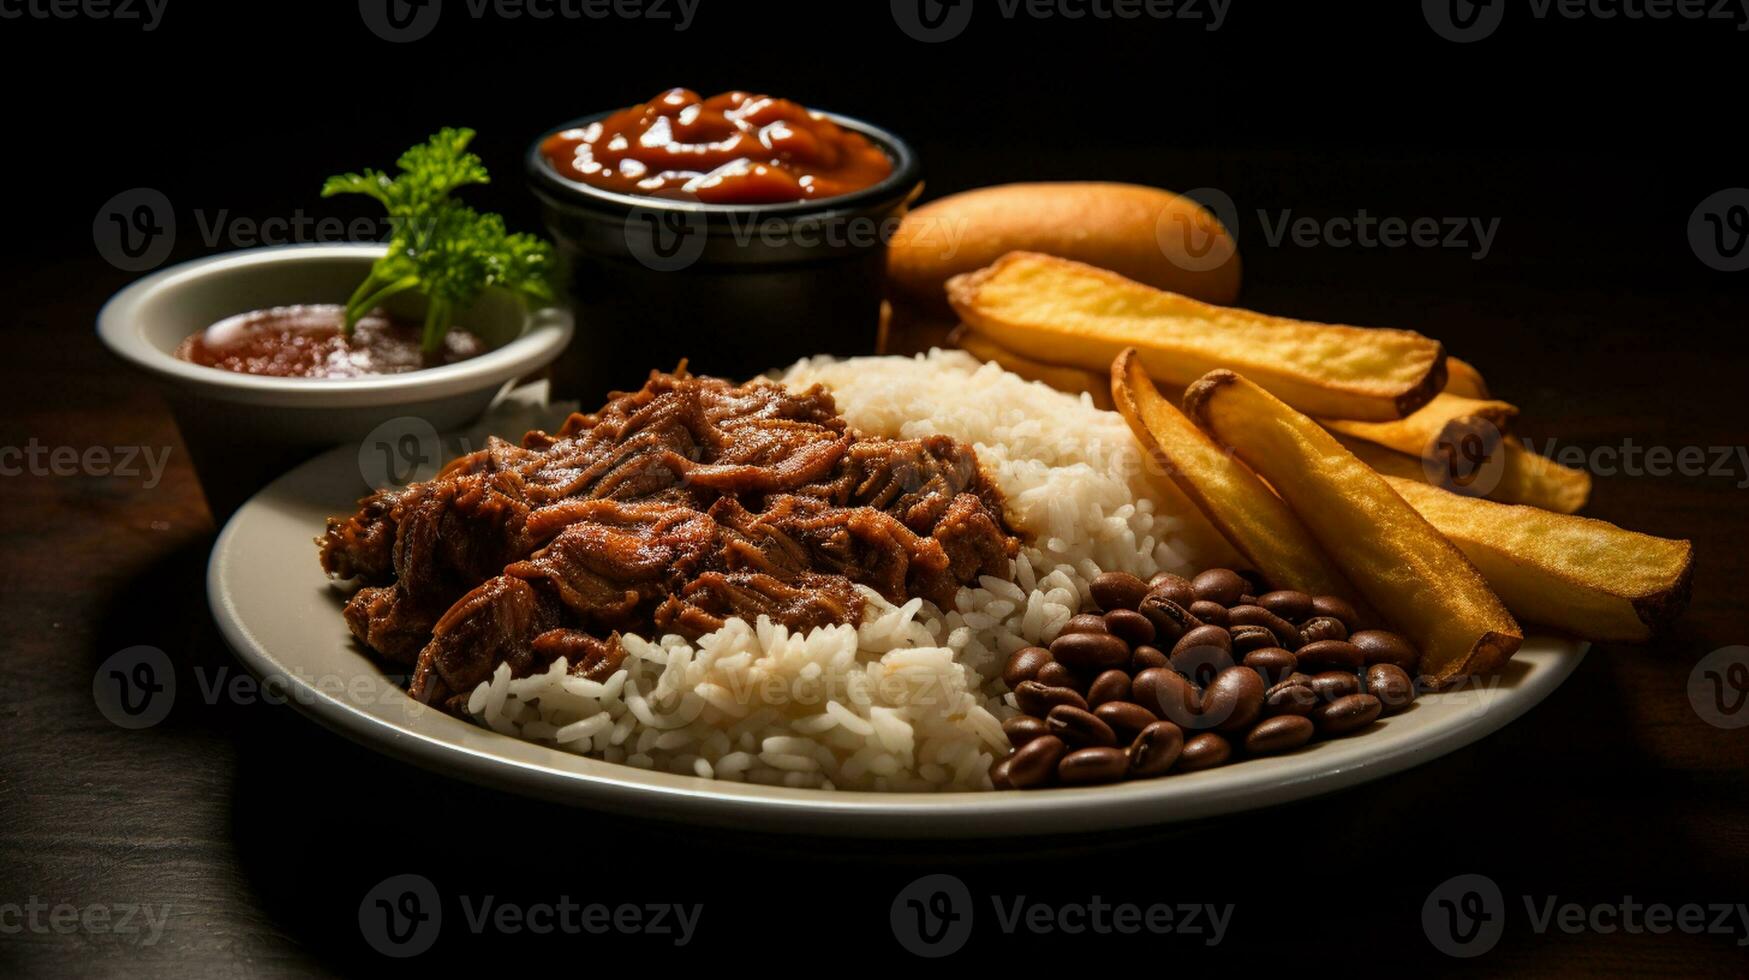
[1142, 233]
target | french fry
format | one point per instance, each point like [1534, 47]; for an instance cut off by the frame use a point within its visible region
[1417, 579]
[1462, 378]
[1064, 312]
[1523, 477]
[1587, 577]
[1536, 480]
[1448, 424]
[1068, 379]
[1260, 527]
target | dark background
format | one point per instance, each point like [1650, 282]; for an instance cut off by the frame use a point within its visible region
[1591, 141]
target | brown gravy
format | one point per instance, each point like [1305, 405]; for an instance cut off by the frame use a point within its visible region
[307, 342]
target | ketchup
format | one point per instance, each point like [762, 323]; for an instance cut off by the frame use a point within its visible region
[307, 342]
[733, 148]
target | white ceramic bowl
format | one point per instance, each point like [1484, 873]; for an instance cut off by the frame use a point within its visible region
[242, 430]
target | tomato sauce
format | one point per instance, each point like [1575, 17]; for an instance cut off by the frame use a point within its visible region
[733, 148]
[307, 342]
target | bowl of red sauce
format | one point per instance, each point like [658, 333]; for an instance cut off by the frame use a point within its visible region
[739, 231]
[250, 352]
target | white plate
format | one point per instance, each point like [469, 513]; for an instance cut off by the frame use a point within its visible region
[279, 613]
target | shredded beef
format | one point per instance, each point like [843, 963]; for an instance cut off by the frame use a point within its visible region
[672, 509]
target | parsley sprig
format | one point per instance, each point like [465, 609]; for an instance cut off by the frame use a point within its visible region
[439, 247]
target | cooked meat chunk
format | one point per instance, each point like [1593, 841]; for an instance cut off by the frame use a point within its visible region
[672, 509]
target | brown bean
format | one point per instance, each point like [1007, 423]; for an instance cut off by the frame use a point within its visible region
[1330, 655]
[1130, 626]
[1174, 588]
[1222, 585]
[1288, 604]
[1023, 665]
[1285, 632]
[1202, 653]
[1037, 700]
[1170, 620]
[1055, 674]
[1290, 698]
[1233, 700]
[1347, 714]
[1322, 628]
[1391, 685]
[1272, 663]
[1336, 608]
[1155, 749]
[999, 778]
[1117, 590]
[1168, 695]
[1249, 638]
[1145, 657]
[1385, 647]
[1034, 763]
[1113, 685]
[1084, 623]
[1022, 729]
[1101, 764]
[1333, 684]
[1126, 718]
[1212, 613]
[1079, 727]
[1204, 751]
[1091, 652]
[1279, 734]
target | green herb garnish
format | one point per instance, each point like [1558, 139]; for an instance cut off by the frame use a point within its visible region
[443, 249]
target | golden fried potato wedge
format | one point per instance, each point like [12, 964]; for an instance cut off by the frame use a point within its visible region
[1073, 380]
[1449, 425]
[1529, 478]
[1462, 378]
[1521, 476]
[1417, 579]
[1587, 577]
[1064, 312]
[1265, 533]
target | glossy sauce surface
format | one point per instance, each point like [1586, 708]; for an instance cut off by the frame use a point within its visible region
[306, 342]
[733, 148]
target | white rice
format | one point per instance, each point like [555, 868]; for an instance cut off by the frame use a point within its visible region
[912, 699]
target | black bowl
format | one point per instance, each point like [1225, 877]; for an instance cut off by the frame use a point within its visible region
[734, 289]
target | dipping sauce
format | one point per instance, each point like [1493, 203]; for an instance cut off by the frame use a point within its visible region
[306, 342]
[733, 148]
